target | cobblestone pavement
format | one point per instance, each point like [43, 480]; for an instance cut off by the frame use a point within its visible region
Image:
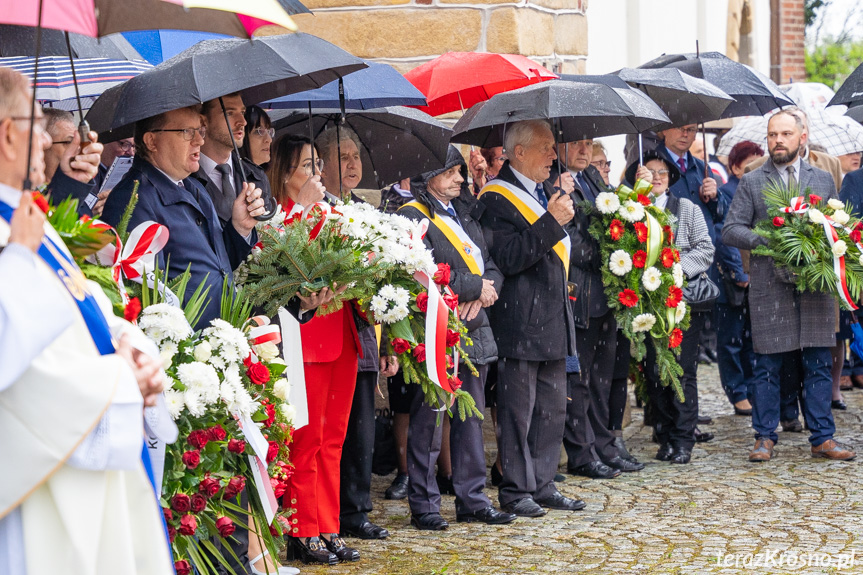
[698, 518]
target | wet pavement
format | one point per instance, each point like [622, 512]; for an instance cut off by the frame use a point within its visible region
[719, 514]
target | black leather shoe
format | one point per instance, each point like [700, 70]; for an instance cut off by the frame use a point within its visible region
[559, 477]
[445, 486]
[562, 503]
[623, 465]
[488, 515]
[738, 411]
[311, 550]
[701, 437]
[429, 522]
[594, 470]
[838, 404]
[337, 547]
[398, 489]
[664, 453]
[680, 455]
[365, 530]
[622, 451]
[705, 420]
[792, 425]
[525, 507]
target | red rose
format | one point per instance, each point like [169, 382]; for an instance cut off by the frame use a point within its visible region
[420, 352]
[182, 567]
[225, 526]
[855, 236]
[401, 345]
[628, 298]
[132, 310]
[199, 503]
[167, 513]
[640, 231]
[258, 373]
[271, 414]
[181, 503]
[191, 459]
[40, 201]
[273, 531]
[272, 451]
[675, 294]
[217, 433]
[859, 226]
[452, 337]
[441, 276]
[454, 382]
[643, 200]
[667, 257]
[209, 486]
[675, 338]
[815, 199]
[778, 222]
[198, 438]
[279, 487]
[248, 361]
[235, 486]
[451, 300]
[172, 534]
[616, 229]
[236, 446]
[639, 259]
[188, 525]
[423, 301]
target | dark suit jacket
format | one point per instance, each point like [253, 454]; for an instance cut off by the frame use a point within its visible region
[531, 320]
[62, 187]
[254, 175]
[196, 236]
[688, 185]
[852, 192]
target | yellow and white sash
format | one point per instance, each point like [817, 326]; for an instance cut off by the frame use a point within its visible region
[455, 234]
[531, 210]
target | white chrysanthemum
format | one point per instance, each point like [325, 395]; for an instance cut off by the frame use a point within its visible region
[194, 403]
[620, 263]
[282, 389]
[243, 403]
[677, 274]
[835, 204]
[388, 292]
[174, 402]
[379, 304]
[267, 351]
[839, 248]
[227, 392]
[403, 297]
[203, 351]
[643, 322]
[607, 203]
[841, 217]
[631, 211]
[218, 363]
[200, 378]
[680, 312]
[815, 216]
[164, 321]
[652, 279]
[288, 411]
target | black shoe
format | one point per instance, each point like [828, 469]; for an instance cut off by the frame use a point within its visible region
[703, 358]
[705, 420]
[738, 411]
[496, 476]
[488, 515]
[594, 470]
[338, 548]
[838, 404]
[664, 453]
[445, 486]
[525, 507]
[711, 353]
[429, 522]
[312, 550]
[624, 465]
[562, 503]
[559, 477]
[680, 455]
[701, 437]
[792, 425]
[365, 530]
[398, 489]
[622, 451]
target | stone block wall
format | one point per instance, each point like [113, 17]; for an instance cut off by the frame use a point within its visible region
[406, 33]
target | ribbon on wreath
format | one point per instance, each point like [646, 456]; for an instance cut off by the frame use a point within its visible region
[437, 316]
[258, 463]
[798, 206]
[264, 332]
[838, 264]
[654, 229]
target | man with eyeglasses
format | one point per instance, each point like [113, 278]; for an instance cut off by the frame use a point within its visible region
[69, 170]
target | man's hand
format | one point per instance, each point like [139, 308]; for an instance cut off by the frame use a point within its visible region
[478, 167]
[247, 205]
[312, 191]
[489, 294]
[469, 310]
[560, 206]
[316, 299]
[389, 365]
[708, 190]
[27, 225]
[565, 182]
[82, 164]
[147, 370]
[100, 203]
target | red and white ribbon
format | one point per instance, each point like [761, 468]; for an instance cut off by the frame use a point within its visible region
[838, 265]
[258, 462]
[132, 260]
[798, 206]
[437, 315]
[264, 332]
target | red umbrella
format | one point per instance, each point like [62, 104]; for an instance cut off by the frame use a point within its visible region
[458, 80]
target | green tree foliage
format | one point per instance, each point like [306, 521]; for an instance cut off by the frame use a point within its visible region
[832, 62]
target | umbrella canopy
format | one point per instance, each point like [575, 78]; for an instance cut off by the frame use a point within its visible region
[377, 86]
[103, 17]
[21, 41]
[398, 142]
[580, 110]
[262, 69]
[850, 92]
[855, 113]
[753, 92]
[808, 94]
[458, 80]
[156, 46]
[684, 98]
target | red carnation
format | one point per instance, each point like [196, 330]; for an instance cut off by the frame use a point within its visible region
[423, 301]
[451, 300]
[815, 199]
[271, 414]
[188, 525]
[132, 310]
[258, 373]
[225, 526]
[855, 236]
[639, 259]
[667, 257]
[182, 567]
[199, 503]
[616, 229]
[181, 503]
[172, 534]
[643, 200]
[191, 459]
[40, 201]
[235, 486]
[859, 226]
[675, 294]
[628, 298]
[167, 513]
[198, 438]
[209, 486]
[401, 345]
[441, 276]
[675, 338]
[454, 382]
[272, 451]
[640, 231]
[217, 433]
[237, 446]
[452, 337]
[420, 352]
[778, 221]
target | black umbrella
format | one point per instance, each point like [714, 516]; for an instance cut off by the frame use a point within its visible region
[850, 93]
[855, 113]
[399, 142]
[21, 41]
[579, 110]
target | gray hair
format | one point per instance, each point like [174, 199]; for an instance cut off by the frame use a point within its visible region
[54, 116]
[14, 90]
[326, 142]
[799, 116]
[522, 133]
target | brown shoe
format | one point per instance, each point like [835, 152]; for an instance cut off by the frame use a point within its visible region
[845, 383]
[832, 450]
[857, 381]
[763, 450]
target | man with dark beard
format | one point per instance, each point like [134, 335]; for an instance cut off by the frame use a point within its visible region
[785, 321]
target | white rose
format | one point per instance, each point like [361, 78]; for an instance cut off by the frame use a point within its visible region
[167, 357]
[620, 263]
[839, 248]
[835, 204]
[841, 217]
[267, 351]
[815, 216]
[288, 411]
[282, 389]
[203, 351]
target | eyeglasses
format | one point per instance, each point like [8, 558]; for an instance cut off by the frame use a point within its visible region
[319, 164]
[661, 173]
[501, 159]
[125, 146]
[188, 133]
[601, 164]
[686, 131]
[66, 143]
[264, 132]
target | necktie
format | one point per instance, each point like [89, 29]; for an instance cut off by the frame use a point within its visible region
[452, 214]
[539, 192]
[226, 202]
[682, 164]
[792, 179]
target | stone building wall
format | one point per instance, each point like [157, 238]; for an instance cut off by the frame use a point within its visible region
[791, 52]
[406, 33]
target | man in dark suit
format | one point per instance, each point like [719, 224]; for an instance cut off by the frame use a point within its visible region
[532, 323]
[69, 169]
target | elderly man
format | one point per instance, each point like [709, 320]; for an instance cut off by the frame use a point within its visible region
[785, 321]
[340, 153]
[523, 224]
[69, 170]
[70, 399]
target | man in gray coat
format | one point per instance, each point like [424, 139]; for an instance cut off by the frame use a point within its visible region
[783, 319]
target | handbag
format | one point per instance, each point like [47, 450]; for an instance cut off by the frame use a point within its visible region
[700, 292]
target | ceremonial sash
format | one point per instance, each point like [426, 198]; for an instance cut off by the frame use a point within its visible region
[531, 210]
[455, 234]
